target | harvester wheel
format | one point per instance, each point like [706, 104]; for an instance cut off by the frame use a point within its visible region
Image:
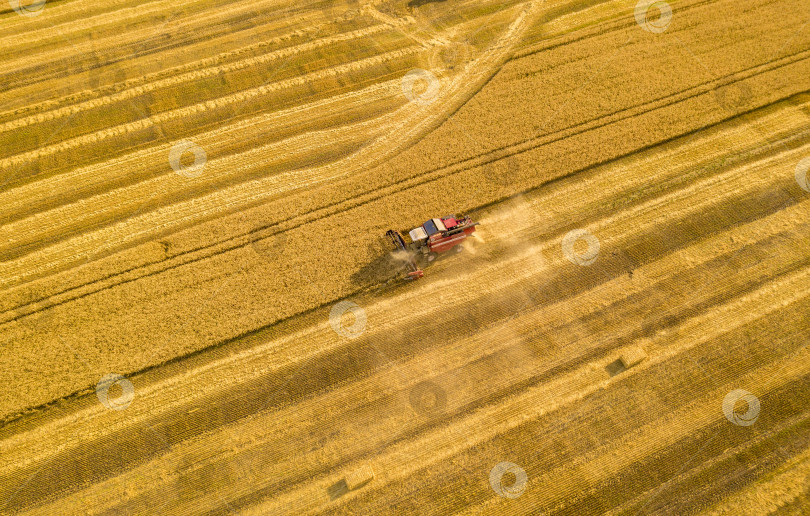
[459, 248]
[432, 256]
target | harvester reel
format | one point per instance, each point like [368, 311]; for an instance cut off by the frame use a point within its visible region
[414, 272]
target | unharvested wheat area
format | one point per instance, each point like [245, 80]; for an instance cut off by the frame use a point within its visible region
[405, 257]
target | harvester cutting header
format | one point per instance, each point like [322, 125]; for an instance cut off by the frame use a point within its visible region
[432, 238]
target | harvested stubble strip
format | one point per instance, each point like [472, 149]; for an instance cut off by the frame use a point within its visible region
[206, 90]
[312, 148]
[522, 417]
[278, 38]
[234, 141]
[131, 85]
[185, 121]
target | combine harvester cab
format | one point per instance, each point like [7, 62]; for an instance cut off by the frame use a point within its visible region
[434, 237]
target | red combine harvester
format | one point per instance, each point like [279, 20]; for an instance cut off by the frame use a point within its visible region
[432, 238]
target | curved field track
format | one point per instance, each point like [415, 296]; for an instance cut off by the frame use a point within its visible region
[194, 194]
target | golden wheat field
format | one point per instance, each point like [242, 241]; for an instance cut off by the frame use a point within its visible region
[201, 314]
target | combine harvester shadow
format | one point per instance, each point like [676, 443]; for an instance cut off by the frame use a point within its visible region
[386, 268]
[419, 3]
